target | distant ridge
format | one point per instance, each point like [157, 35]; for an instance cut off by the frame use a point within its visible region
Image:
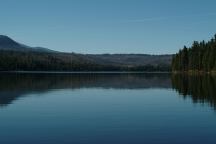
[6, 43]
[39, 58]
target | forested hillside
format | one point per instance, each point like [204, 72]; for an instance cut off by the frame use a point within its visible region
[200, 57]
[41, 61]
[18, 57]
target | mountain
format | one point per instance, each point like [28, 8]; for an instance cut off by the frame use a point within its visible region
[6, 43]
[17, 56]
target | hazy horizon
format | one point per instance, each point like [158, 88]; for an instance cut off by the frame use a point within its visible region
[114, 26]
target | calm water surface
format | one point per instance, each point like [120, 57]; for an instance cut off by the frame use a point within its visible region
[107, 109]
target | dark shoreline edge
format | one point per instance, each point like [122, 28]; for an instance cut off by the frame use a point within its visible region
[110, 72]
[83, 72]
[194, 72]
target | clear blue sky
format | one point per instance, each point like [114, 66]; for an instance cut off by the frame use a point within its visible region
[109, 26]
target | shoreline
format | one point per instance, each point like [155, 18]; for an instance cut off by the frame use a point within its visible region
[110, 72]
[194, 72]
[84, 72]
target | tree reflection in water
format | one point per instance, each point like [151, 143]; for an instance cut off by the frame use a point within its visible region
[200, 88]
[13, 86]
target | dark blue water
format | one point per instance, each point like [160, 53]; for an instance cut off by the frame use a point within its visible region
[106, 109]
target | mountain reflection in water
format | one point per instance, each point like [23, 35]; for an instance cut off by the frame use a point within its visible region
[200, 88]
[13, 86]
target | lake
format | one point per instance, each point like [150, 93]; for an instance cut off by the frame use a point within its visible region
[107, 108]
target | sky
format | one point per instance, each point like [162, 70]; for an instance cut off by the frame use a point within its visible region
[109, 26]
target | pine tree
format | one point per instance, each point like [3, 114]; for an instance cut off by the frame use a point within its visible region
[199, 57]
[185, 58]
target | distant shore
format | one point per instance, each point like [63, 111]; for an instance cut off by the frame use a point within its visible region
[112, 72]
[86, 72]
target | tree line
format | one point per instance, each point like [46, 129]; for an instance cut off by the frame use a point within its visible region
[200, 57]
[42, 61]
